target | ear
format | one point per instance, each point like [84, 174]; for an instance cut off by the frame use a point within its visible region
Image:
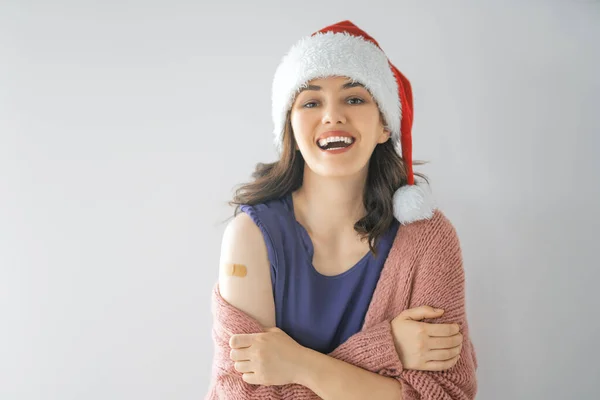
[385, 135]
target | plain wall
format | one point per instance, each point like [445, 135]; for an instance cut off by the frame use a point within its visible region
[125, 127]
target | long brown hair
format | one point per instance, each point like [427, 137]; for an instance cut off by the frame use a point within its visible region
[386, 174]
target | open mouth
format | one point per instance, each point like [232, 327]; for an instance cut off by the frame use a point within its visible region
[335, 143]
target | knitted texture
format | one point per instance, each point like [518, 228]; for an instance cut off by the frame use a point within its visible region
[424, 267]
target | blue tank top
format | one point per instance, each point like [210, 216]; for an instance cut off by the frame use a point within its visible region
[318, 311]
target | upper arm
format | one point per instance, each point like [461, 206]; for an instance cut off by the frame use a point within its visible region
[440, 278]
[244, 244]
[441, 284]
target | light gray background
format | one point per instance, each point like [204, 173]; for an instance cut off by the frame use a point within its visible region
[124, 127]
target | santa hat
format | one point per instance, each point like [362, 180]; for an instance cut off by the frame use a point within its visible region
[343, 49]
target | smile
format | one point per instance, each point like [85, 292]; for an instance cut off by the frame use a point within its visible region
[336, 144]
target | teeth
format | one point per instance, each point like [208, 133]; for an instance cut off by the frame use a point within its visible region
[324, 142]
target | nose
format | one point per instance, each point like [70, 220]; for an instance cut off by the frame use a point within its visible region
[333, 114]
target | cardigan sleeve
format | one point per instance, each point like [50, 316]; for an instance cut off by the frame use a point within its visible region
[372, 349]
[439, 281]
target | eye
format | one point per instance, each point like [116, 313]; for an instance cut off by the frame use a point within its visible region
[356, 98]
[360, 101]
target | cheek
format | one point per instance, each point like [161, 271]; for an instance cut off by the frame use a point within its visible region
[371, 127]
[301, 126]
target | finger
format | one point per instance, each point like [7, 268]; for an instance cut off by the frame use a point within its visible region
[441, 365]
[444, 354]
[441, 329]
[239, 354]
[240, 341]
[419, 313]
[243, 366]
[250, 377]
[434, 343]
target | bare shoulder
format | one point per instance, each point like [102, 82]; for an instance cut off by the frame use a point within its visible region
[243, 238]
[244, 270]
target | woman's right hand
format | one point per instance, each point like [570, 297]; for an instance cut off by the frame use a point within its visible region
[424, 346]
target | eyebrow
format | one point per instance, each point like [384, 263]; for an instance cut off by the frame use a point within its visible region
[346, 85]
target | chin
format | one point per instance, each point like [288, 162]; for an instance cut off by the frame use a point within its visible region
[338, 170]
[342, 165]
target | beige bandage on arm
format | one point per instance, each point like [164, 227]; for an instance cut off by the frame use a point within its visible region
[235, 269]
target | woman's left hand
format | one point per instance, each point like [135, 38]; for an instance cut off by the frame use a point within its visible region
[268, 358]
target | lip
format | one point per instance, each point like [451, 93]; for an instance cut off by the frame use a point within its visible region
[325, 135]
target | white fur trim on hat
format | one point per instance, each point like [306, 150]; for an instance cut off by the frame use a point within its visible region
[335, 54]
[413, 203]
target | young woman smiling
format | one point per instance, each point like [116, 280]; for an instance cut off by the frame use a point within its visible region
[339, 278]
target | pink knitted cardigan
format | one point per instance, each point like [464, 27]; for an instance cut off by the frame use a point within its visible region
[424, 267]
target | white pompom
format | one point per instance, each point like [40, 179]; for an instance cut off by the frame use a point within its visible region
[413, 203]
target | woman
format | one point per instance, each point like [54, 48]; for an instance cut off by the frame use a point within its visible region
[338, 253]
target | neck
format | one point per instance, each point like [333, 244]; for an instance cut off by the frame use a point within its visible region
[329, 206]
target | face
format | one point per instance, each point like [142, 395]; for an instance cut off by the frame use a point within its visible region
[335, 104]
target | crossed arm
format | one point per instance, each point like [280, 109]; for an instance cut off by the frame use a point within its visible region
[438, 281]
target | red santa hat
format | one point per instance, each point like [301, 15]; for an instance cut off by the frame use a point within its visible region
[343, 49]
